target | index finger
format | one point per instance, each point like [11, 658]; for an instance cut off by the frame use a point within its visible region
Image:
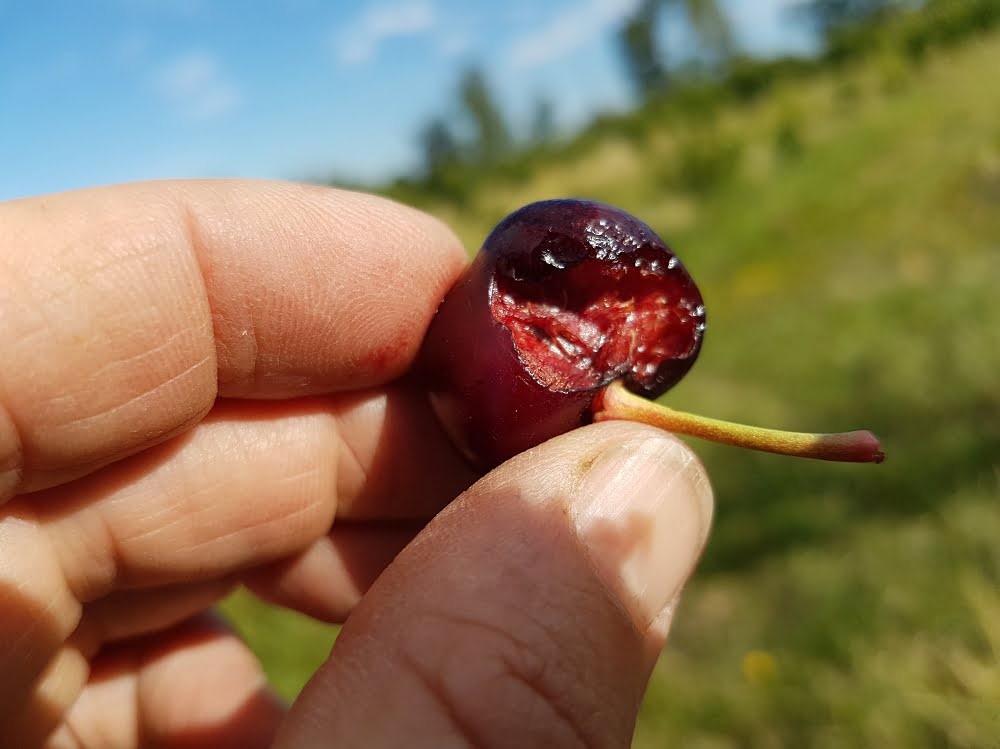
[125, 311]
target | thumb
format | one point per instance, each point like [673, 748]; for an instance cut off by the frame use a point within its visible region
[529, 613]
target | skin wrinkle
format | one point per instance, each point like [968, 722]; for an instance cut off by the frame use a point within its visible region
[181, 514]
[69, 731]
[141, 244]
[433, 687]
[306, 472]
[113, 562]
[176, 513]
[20, 457]
[467, 622]
[349, 451]
[12, 476]
[190, 510]
[51, 602]
[138, 398]
[581, 591]
[527, 669]
[116, 563]
[248, 359]
[12, 458]
[193, 242]
[186, 504]
[257, 532]
[535, 686]
[137, 249]
[432, 677]
[246, 333]
[124, 255]
[107, 368]
[49, 606]
[41, 279]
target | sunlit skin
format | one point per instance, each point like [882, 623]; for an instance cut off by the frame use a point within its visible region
[207, 384]
[575, 311]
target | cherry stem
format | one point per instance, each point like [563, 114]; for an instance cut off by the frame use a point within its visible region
[616, 402]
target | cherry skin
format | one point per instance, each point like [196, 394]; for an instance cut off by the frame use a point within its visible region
[565, 297]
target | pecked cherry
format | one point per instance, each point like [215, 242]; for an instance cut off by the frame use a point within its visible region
[575, 311]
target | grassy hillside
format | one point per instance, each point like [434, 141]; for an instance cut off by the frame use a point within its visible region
[845, 231]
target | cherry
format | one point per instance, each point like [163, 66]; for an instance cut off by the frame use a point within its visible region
[576, 311]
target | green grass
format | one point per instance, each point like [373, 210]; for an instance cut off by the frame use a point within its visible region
[888, 636]
[851, 280]
[291, 646]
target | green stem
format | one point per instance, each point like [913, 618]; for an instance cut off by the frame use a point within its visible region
[616, 402]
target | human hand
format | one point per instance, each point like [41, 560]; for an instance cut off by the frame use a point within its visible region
[198, 380]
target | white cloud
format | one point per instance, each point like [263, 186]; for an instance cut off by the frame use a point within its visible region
[570, 29]
[359, 42]
[196, 86]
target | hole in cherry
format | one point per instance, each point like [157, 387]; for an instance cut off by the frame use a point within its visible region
[582, 326]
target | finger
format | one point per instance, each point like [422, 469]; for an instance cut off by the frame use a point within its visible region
[39, 611]
[28, 721]
[127, 310]
[253, 483]
[128, 614]
[394, 460]
[184, 512]
[246, 487]
[196, 686]
[328, 580]
[529, 613]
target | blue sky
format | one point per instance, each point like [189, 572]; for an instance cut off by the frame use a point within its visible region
[114, 90]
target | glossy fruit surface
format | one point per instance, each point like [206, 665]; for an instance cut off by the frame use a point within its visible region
[564, 297]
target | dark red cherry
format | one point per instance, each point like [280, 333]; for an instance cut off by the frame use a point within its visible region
[565, 297]
[576, 311]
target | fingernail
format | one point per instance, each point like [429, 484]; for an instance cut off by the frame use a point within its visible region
[643, 511]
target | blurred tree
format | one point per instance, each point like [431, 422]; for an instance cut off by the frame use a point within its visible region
[638, 40]
[711, 25]
[440, 147]
[643, 62]
[829, 16]
[491, 137]
[543, 121]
